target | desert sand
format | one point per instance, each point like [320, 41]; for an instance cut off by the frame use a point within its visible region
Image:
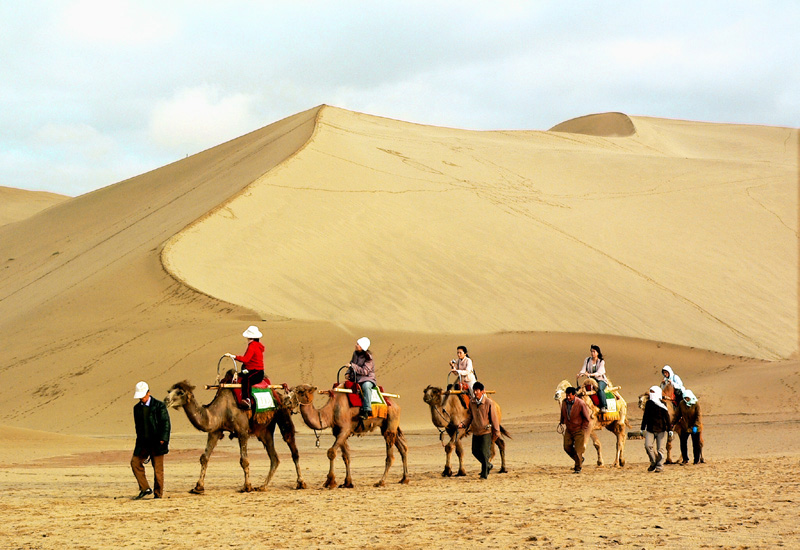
[662, 241]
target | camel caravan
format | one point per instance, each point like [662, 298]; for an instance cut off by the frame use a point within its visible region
[246, 404]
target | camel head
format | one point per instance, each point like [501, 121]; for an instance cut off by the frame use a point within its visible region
[561, 390]
[643, 399]
[303, 394]
[432, 395]
[179, 394]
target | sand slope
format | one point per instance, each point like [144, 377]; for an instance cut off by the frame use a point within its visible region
[525, 246]
[18, 204]
[681, 232]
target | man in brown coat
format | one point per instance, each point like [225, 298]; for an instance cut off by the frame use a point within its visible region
[690, 422]
[576, 424]
[485, 421]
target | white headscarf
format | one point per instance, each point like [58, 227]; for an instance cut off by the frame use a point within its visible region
[692, 397]
[676, 381]
[655, 397]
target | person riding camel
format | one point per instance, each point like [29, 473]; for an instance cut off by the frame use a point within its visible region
[595, 367]
[677, 384]
[252, 364]
[362, 368]
[463, 368]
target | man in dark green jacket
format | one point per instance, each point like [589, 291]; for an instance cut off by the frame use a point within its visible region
[152, 440]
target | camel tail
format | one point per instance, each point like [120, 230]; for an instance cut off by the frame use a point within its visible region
[504, 432]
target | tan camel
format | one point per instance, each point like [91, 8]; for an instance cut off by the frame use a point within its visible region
[223, 415]
[672, 409]
[447, 412]
[617, 427]
[338, 415]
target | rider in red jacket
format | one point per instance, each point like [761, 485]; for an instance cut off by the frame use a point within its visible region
[252, 364]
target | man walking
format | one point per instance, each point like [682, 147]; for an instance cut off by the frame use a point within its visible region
[485, 421]
[152, 440]
[576, 424]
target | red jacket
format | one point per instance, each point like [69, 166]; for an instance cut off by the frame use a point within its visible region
[253, 358]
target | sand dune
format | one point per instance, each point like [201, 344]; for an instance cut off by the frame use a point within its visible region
[683, 232]
[18, 204]
[525, 246]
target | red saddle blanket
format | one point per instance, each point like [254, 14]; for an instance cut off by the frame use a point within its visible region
[355, 397]
[263, 384]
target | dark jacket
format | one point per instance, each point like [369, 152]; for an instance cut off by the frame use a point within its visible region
[152, 427]
[655, 419]
[689, 417]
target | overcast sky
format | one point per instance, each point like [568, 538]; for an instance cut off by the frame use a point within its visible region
[93, 92]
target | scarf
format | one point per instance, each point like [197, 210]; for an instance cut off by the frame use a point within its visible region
[655, 397]
[692, 397]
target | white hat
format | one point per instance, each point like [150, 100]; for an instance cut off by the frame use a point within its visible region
[363, 342]
[141, 390]
[252, 332]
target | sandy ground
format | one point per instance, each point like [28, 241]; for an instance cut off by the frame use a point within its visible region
[745, 496]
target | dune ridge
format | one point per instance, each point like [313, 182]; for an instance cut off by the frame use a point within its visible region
[602, 124]
[363, 182]
[18, 204]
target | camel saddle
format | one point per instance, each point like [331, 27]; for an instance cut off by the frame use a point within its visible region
[264, 399]
[379, 408]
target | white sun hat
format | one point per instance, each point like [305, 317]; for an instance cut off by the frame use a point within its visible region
[363, 342]
[252, 332]
[141, 390]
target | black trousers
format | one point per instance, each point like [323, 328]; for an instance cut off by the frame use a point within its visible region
[482, 450]
[249, 380]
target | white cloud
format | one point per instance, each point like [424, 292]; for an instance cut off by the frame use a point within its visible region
[115, 22]
[197, 118]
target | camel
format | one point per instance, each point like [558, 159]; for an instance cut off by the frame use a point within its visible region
[447, 412]
[617, 427]
[223, 415]
[338, 415]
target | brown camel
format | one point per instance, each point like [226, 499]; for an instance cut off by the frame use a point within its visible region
[447, 412]
[338, 415]
[618, 427]
[223, 415]
[672, 409]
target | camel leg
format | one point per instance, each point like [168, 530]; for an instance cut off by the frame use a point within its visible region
[211, 443]
[389, 437]
[287, 431]
[596, 443]
[460, 454]
[669, 451]
[448, 450]
[340, 435]
[501, 446]
[244, 462]
[402, 447]
[267, 438]
[348, 480]
[619, 460]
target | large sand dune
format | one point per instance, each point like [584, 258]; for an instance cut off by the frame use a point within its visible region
[674, 244]
[18, 204]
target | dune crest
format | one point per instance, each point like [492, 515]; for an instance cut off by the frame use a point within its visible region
[601, 125]
[384, 224]
[18, 204]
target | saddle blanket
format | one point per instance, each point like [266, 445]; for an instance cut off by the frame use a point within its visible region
[380, 406]
[263, 397]
[611, 402]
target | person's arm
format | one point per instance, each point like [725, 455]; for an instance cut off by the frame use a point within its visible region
[364, 370]
[563, 419]
[601, 370]
[646, 415]
[467, 419]
[248, 354]
[164, 424]
[494, 419]
[583, 367]
[467, 368]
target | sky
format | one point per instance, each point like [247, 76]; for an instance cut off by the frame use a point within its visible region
[93, 92]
